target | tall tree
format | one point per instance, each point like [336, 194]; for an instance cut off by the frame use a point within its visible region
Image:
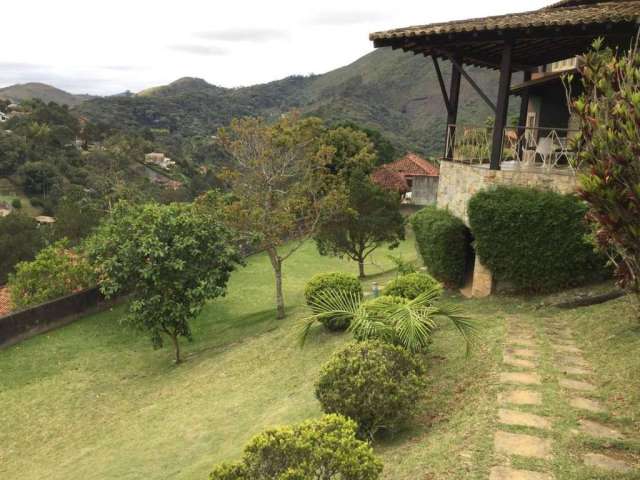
[20, 240]
[280, 185]
[172, 259]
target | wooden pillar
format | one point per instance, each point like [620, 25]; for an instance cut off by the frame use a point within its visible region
[454, 100]
[522, 119]
[502, 106]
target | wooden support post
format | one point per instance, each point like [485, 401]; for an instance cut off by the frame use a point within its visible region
[522, 119]
[502, 106]
[452, 115]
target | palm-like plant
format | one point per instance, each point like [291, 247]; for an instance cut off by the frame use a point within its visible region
[408, 323]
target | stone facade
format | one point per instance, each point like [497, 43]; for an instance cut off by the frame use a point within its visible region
[424, 190]
[459, 182]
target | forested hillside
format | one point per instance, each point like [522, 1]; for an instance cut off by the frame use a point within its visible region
[41, 91]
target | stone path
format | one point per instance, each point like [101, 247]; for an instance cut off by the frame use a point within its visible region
[521, 404]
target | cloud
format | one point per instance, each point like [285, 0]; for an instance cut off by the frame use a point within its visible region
[341, 18]
[244, 35]
[196, 49]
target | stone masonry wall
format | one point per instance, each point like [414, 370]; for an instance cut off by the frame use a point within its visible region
[459, 182]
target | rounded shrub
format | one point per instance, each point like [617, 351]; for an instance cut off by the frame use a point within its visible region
[444, 243]
[16, 203]
[374, 383]
[328, 445]
[411, 285]
[325, 282]
[532, 239]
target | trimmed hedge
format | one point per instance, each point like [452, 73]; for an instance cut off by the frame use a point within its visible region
[444, 243]
[332, 281]
[533, 239]
[410, 286]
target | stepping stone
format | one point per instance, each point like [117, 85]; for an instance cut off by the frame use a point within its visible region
[506, 473]
[566, 348]
[513, 417]
[518, 362]
[520, 378]
[576, 371]
[606, 463]
[524, 342]
[574, 360]
[522, 352]
[520, 397]
[586, 404]
[576, 385]
[597, 430]
[523, 445]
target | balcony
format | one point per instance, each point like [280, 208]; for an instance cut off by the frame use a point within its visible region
[544, 150]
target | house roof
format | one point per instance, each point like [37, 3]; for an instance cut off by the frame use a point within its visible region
[5, 301]
[389, 179]
[560, 31]
[412, 165]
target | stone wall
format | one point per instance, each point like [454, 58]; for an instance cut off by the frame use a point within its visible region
[424, 190]
[459, 182]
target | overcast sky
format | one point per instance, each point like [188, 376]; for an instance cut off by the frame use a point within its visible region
[106, 47]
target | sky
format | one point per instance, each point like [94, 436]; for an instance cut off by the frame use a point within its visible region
[109, 46]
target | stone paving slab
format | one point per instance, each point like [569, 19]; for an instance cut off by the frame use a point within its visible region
[576, 370]
[603, 462]
[587, 404]
[506, 473]
[514, 417]
[577, 385]
[520, 378]
[566, 348]
[518, 362]
[523, 445]
[523, 352]
[520, 397]
[573, 360]
[598, 430]
[522, 341]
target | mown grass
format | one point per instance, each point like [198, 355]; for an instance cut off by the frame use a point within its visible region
[94, 401]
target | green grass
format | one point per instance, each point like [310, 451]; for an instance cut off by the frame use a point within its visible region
[94, 401]
[9, 192]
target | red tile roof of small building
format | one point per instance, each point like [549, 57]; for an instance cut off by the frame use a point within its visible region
[5, 301]
[412, 165]
[389, 179]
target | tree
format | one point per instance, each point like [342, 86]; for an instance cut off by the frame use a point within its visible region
[170, 258]
[13, 153]
[56, 271]
[20, 240]
[385, 149]
[280, 185]
[609, 113]
[372, 219]
[76, 217]
[39, 177]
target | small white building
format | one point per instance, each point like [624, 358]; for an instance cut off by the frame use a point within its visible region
[3, 117]
[159, 159]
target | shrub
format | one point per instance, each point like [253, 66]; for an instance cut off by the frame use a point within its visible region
[411, 286]
[374, 383]
[16, 203]
[324, 449]
[534, 239]
[56, 271]
[332, 281]
[444, 243]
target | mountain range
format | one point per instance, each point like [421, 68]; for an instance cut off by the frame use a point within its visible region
[390, 91]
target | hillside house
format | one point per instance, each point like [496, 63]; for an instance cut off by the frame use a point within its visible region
[413, 176]
[3, 117]
[159, 159]
[539, 47]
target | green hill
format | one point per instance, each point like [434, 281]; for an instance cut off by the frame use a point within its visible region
[41, 91]
[391, 91]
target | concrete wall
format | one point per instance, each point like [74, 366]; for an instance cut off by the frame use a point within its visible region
[459, 182]
[424, 190]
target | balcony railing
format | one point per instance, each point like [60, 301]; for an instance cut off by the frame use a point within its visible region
[522, 147]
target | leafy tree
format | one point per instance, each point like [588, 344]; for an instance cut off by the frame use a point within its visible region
[171, 258]
[76, 217]
[56, 271]
[372, 218]
[353, 151]
[385, 149]
[279, 183]
[609, 113]
[13, 153]
[323, 449]
[39, 178]
[20, 240]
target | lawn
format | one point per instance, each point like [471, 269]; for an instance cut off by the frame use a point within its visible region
[94, 401]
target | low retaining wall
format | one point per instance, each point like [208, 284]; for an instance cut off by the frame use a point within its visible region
[23, 324]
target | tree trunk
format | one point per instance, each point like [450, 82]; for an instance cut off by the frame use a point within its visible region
[276, 262]
[176, 347]
[361, 267]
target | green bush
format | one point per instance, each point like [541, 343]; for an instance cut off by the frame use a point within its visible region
[411, 285]
[323, 449]
[535, 240]
[16, 203]
[332, 281]
[374, 383]
[444, 243]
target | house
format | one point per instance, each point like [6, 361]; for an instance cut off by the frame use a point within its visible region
[420, 176]
[388, 178]
[3, 117]
[45, 220]
[159, 160]
[536, 47]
